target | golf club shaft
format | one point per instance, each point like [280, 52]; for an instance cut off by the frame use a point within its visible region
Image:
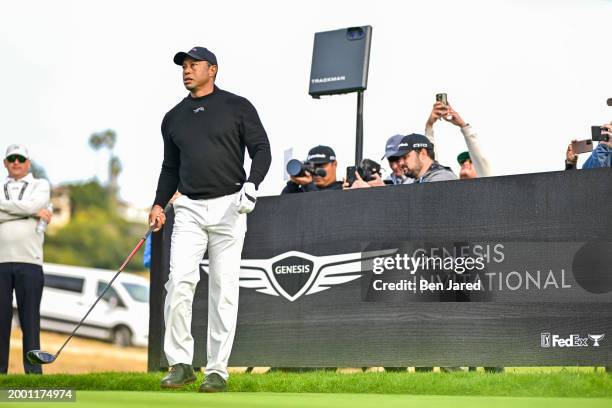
[127, 260]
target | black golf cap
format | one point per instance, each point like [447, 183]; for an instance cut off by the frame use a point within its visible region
[413, 141]
[321, 154]
[197, 53]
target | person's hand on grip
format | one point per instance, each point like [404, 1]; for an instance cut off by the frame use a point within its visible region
[359, 182]
[157, 218]
[376, 181]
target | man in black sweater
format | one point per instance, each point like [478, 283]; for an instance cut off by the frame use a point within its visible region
[205, 137]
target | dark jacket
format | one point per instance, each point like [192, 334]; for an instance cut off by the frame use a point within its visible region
[292, 187]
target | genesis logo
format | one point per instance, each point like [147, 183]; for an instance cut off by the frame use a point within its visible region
[294, 274]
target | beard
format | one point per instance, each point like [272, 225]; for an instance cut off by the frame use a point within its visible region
[414, 173]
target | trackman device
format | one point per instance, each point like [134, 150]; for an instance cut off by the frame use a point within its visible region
[340, 60]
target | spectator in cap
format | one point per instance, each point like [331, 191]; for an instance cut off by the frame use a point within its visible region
[418, 160]
[397, 175]
[467, 170]
[23, 202]
[323, 160]
[477, 160]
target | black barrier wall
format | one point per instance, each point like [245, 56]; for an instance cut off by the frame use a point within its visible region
[308, 295]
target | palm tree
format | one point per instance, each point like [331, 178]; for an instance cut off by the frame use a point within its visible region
[107, 139]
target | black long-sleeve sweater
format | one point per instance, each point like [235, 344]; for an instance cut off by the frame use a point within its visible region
[204, 143]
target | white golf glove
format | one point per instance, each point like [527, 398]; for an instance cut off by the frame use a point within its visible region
[247, 198]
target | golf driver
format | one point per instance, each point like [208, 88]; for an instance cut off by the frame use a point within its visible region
[43, 357]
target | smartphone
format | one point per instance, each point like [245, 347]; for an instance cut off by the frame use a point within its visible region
[441, 97]
[582, 146]
[596, 135]
[350, 175]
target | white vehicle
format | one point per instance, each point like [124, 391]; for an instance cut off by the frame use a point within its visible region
[121, 316]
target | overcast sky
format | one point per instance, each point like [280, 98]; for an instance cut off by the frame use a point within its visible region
[528, 75]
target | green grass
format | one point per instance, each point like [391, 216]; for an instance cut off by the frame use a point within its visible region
[114, 399]
[566, 384]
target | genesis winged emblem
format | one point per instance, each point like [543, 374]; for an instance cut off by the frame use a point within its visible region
[294, 274]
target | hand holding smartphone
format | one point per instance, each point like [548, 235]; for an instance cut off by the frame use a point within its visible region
[582, 146]
[442, 97]
[597, 136]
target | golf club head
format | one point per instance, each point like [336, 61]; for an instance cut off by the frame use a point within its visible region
[40, 357]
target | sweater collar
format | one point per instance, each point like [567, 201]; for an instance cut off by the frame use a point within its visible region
[202, 98]
[29, 178]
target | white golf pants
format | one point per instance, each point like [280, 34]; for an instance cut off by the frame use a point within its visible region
[216, 225]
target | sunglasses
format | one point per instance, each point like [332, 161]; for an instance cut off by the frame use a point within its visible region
[16, 157]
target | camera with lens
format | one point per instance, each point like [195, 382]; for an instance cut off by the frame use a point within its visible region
[296, 168]
[366, 170]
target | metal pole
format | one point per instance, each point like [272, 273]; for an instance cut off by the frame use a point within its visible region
[359, 136]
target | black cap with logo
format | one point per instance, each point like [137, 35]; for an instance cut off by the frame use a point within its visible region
[321, 154]
[197, 53]
[413, 141]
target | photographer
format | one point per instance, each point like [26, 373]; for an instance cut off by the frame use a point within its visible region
[396, 177]
[481, 166]
[319, 173]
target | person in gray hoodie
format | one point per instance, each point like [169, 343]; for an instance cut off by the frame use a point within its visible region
[418, 160]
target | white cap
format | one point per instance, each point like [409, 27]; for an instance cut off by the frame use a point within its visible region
[17, 149]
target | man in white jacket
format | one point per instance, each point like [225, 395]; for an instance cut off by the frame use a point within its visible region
[477, 165]
[23, 202]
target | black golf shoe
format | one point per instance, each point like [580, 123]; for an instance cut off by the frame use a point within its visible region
[213, 383]
[178, 376]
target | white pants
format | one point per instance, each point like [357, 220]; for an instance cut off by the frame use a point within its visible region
[216, 225]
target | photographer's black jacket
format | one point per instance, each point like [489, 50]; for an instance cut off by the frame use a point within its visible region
[204, 143]
[292, 187]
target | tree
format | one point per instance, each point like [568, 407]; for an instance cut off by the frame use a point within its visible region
[96, 235]
[89, 195]
[97, 239]
[38, 171]
[107, 139]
